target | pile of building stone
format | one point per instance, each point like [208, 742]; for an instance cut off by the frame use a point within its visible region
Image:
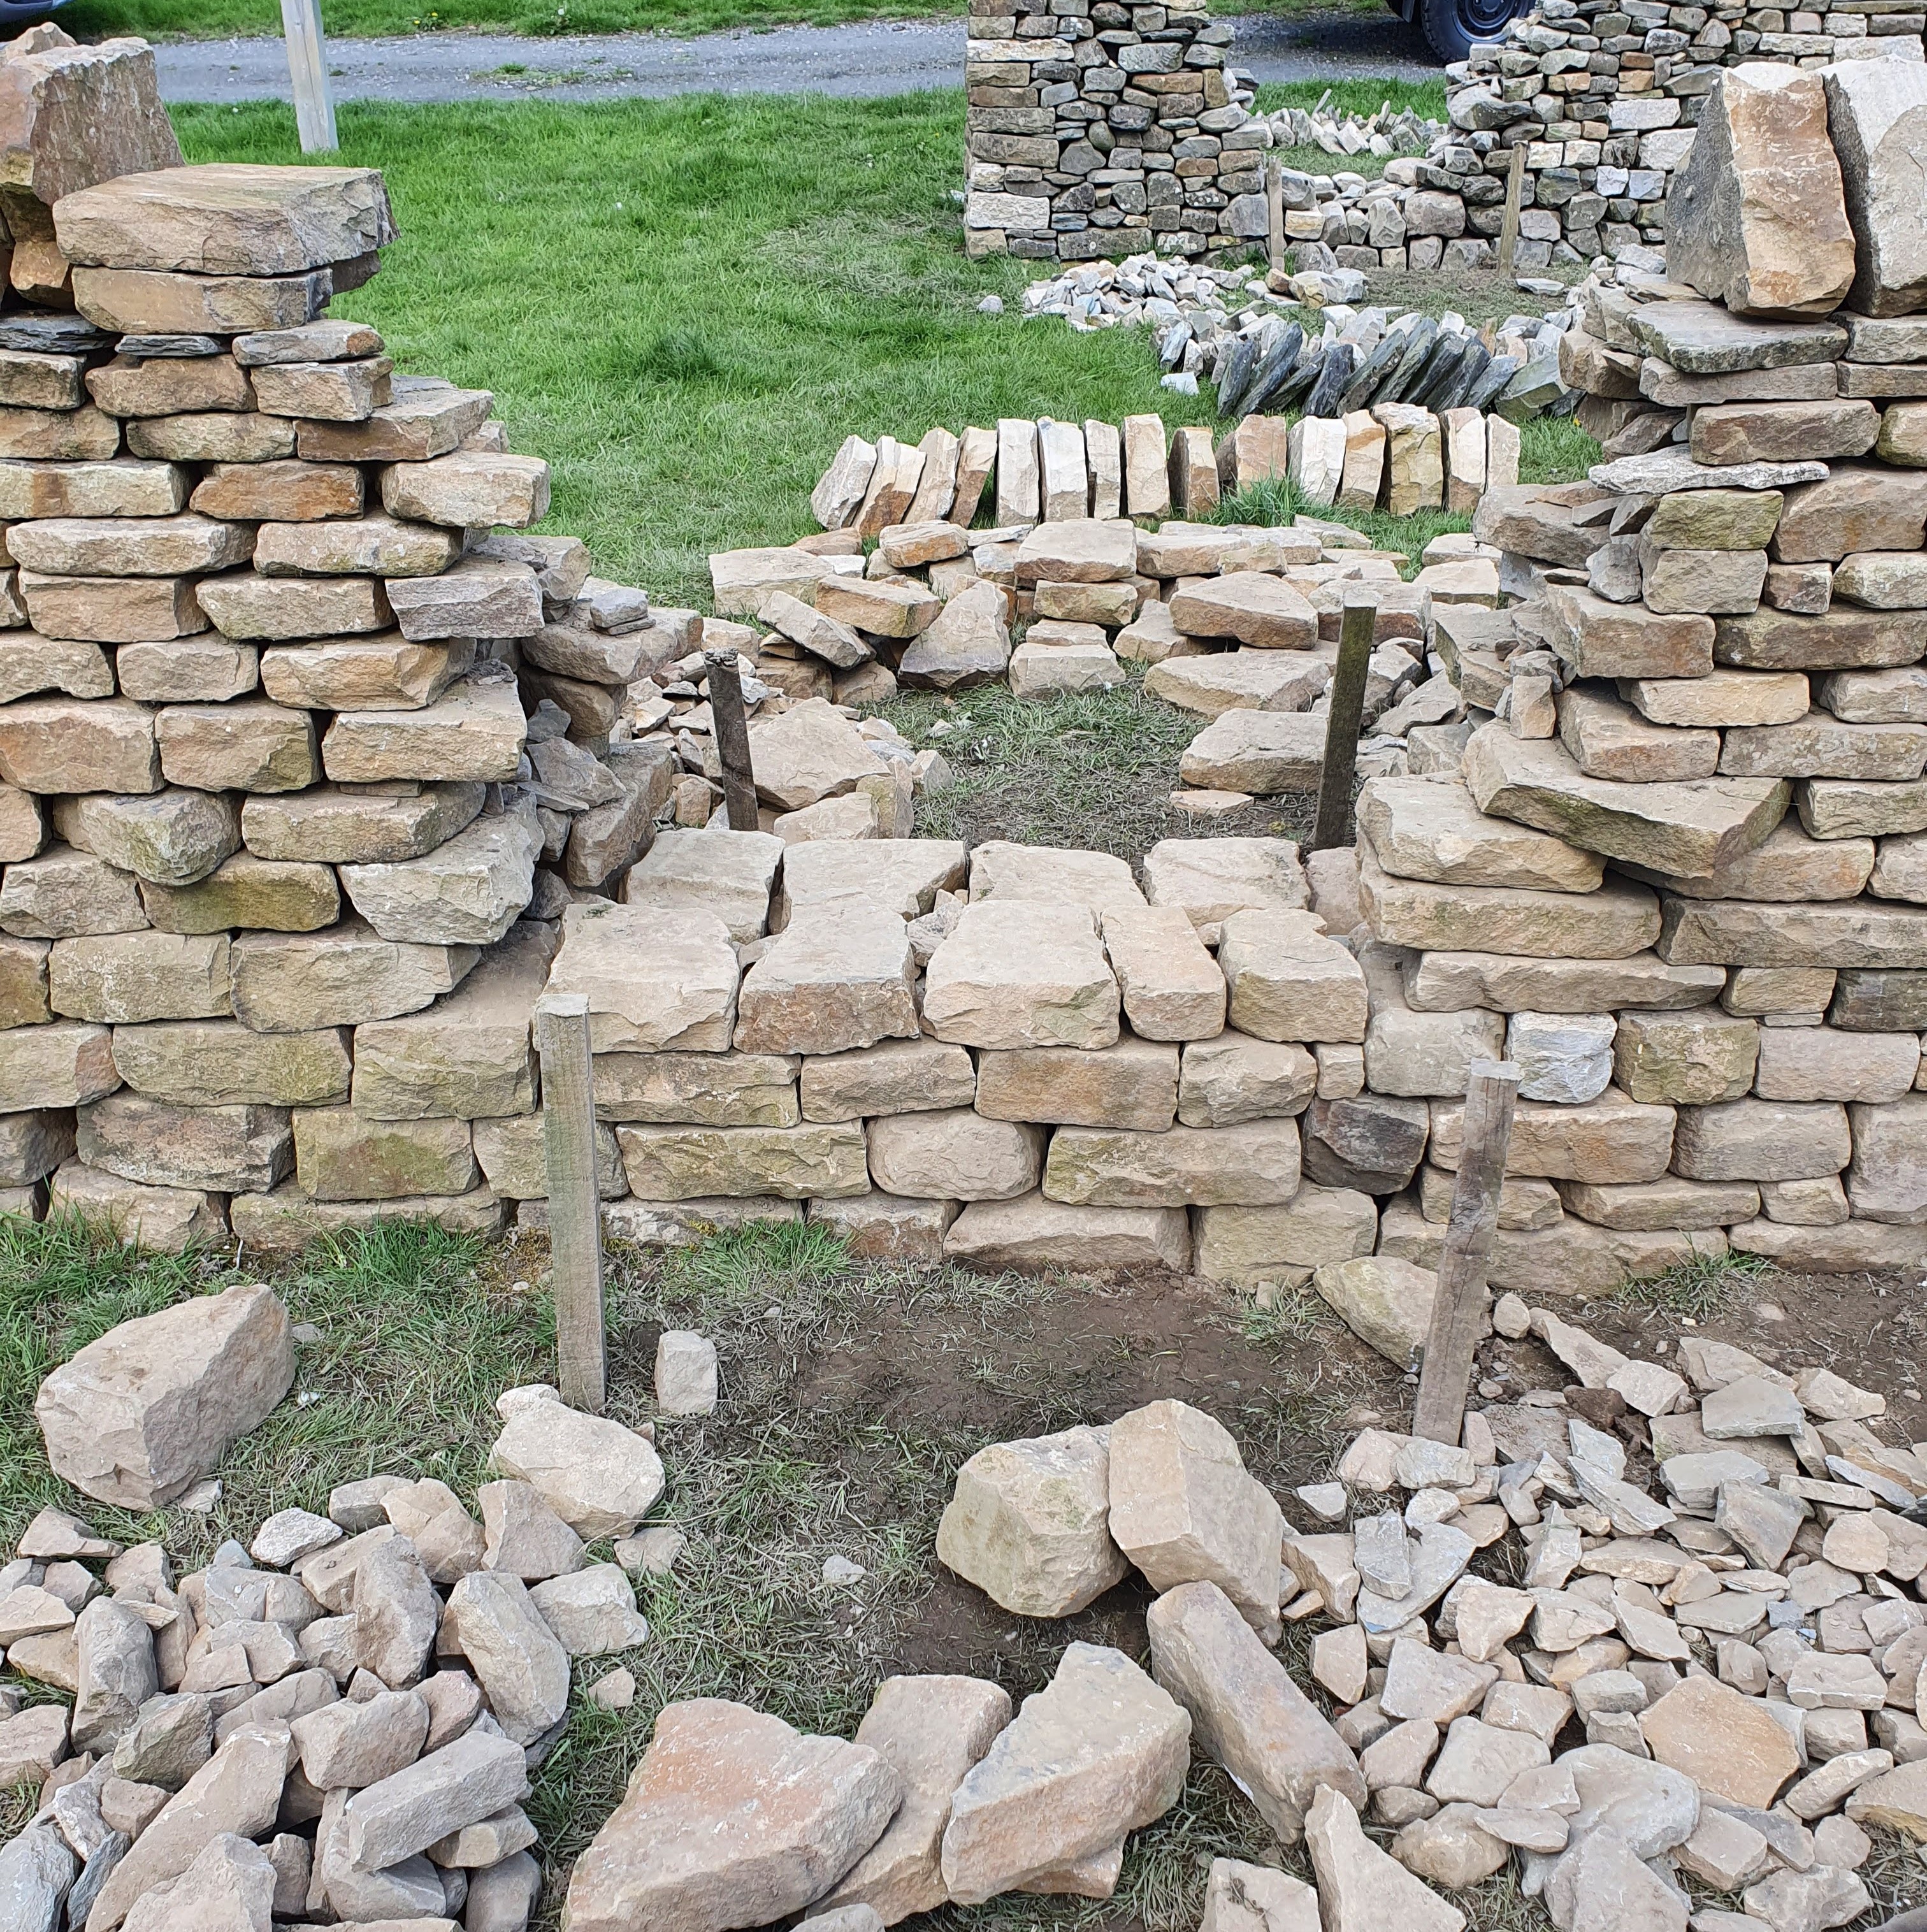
[933, 605]
[1383, 133]
[1262, 350]
[1604, 96]
[1710, 1673]
[340, 1721]
[289, 740]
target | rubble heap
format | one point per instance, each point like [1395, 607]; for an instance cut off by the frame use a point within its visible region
[1709, 1676]
[339, 1722]
[1604, 96]
[289, 741]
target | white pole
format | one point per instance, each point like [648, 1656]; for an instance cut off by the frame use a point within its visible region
[307, 68]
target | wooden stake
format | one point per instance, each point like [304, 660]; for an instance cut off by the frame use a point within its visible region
[575, 1206]
[1508, 226]
[732, 739]
[307, 69]
[1358, 630]
[1458, 1309]
[1275, 214]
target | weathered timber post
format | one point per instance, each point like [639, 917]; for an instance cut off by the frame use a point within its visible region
[1508, 224]
[574, 1205]
[732, 738]
[1458, 1309]
[307, 70]
[1358, 628]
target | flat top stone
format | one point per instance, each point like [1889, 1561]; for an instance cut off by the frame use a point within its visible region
[1046, 875]
[1665, 471]
[905, 874]
[1432, 828]
[1703, 339]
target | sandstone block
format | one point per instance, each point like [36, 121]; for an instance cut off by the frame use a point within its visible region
[247, 746]
[1871, 117]
[125, 978]
[1288, 981]
[1032, 1234]
[332, 826]
[1430, 829]
[70, 745]
[684, 999]
[1264, 753]
[1211, 878]
[266, 895]
[221, 1063]
[1255, 1165]
[292, 982]
[837, 978]
[1014, 974]
[1613, 923]
[1694, 1058]
[1235, 1078]
[1761, 1140]
[1131, 1084]
[959, 1155]
[227, 1149]
[475, 732]
[157, 1220]
[895, 1076]
[65, 1064]
[683, 1163]
[1612, 1138]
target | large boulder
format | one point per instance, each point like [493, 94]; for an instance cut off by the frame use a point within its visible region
[145, 1413]
[1877, 114]
[1755, 214]
[731, 1818]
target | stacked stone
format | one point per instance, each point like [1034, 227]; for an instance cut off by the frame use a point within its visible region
[1093, 127]
[271, 808]
[1604, 96]
[1679, 876]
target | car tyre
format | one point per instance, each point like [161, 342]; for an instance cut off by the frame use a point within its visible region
[1451, 26]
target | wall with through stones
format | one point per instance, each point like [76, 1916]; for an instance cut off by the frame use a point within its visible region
[1098, 129]
[1604, 95]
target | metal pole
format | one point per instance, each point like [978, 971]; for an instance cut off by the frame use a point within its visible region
[732, 739]
[574, 1205]
[1458, 1308]
[307, 69]
[1357, 629]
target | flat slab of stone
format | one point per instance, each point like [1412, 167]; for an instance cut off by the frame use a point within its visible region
[1210, 879]
[1264, 753]
[1601, 639]
[731, 1814]
[1845, 933]
[655, 977]
[1614, 922]
[1289, 981]
[1701, 338]
[1690, 827]
[1032, 1234]
[726, 873]
[838, 977]
[1051, 875]
[1427, 828]
[1254, 1165]
[1242, 680]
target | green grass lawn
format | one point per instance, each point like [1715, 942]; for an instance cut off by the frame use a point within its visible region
[685, 305]
[201, 20]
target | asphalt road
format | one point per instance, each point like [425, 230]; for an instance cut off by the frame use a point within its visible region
[869, 58]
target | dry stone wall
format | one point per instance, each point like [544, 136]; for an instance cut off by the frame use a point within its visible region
[1604, 96]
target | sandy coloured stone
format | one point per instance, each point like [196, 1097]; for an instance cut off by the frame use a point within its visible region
[162, 547]
[1885, 1181]
[895, 1076]
[61, 894]
[1599, 639]
[221, 1063]
[1101, 1751]
[341, 1155]
[171, 838]
[959, 1155]
[1687, 828]
[70, 745]
[1762, 1140]
[117, 487]
[968, 642]
[716, 873]
[1251, 680]
[1414, 457]
[469, 891]
[684, 999]
[476, 597]
[1211, 878]
[1264, 753]
[684, 1163]
[1233, 1077]
[1608, 739]
[727, 1089]
[1288, 981]
[141, 1415]
[1247, 1247]
[1612, 1138]
[840, 491]
[730, 1812]
[1027, 1523]
[248, 745]
[324, 825]
[1171, 989]
[125, 978]
[64, 1064]
[1694, 1058]
[1185, 1510]
[1431, 829]
[475, 731]
[1361, 1887]
[1723, 1741]
[902, 874]
[1078, 551]
[232, 1149]
[931, 1730]
[1756, 215]
[1873, 120]
[512, 1151]
[292, 982]
[1132, 1084]
[1386, 1302]
[465, 487]
[1261, 611]
[807, 753]
[1253, 1164]
[1015, 972]
[1032, 1233]
[1826, 1064]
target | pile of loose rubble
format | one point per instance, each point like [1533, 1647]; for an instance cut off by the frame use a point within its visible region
[1719, 1686]
[340, 1721]
[1604, 96]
